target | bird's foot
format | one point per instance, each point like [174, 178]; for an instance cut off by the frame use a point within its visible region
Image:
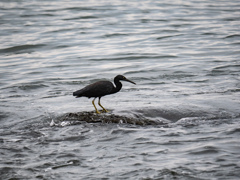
[105, 110]
[98, 112]
[102, 111]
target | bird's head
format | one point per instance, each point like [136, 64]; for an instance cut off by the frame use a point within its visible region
[123, 78]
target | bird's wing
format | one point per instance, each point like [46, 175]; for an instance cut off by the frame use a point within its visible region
[101, 88]
[98, 89]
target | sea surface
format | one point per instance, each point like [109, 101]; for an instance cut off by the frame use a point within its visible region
[184, 57]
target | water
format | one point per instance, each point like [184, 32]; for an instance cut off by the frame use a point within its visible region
[184, 57]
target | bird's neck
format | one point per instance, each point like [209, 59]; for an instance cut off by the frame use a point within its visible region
[118, 86]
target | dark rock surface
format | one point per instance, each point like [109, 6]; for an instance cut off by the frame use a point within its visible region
[92, 117]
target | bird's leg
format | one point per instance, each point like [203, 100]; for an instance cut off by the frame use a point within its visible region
[95, 106]
[101, 105]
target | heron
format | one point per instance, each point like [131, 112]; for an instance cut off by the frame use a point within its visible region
[100, 89]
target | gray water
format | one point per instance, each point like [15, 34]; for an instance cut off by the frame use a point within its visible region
[184, 57]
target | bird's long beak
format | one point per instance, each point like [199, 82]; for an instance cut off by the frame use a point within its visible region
[129, 81]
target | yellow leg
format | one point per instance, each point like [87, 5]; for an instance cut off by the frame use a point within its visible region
[95, 106]
[101, 105]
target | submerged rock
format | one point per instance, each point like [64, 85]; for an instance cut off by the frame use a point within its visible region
[92, 117]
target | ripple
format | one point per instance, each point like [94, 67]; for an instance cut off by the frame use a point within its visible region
[81, 17]
[235, 130]
[166, 37]
[232, 36]
[68, 163]
[204, 150]
[28, 48]
[31, 86]
[114, 35]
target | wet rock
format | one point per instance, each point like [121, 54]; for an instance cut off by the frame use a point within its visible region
[92, 117]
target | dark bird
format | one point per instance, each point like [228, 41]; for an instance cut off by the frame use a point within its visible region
[100, 89]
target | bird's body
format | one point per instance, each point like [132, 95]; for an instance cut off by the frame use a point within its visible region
[100, 89]
[97, 89]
